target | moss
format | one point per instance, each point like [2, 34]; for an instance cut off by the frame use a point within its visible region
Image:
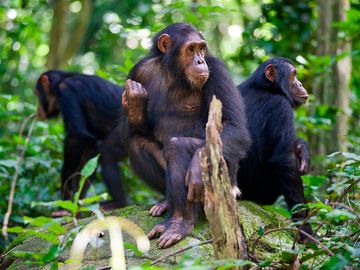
[252, 215]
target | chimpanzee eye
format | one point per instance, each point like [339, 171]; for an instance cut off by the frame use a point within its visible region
[191, 48]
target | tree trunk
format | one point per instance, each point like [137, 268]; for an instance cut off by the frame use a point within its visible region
[80, 27]
[57, 41]
[63, 45]
[332, 88]
[220, 205]
[343, 75]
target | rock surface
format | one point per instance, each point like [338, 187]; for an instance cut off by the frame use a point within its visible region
[253, 217]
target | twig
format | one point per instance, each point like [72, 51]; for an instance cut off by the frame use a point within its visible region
[67, 180]
[328, 251]
[180, 251]
[13, 183]
[23, 124]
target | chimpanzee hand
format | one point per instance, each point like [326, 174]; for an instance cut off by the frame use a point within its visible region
[302, 156]
[194, 181]
[134, 100]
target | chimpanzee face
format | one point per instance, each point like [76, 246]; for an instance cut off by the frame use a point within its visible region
[297, 91]
[284, 76]
[192, 57]
[47, 101]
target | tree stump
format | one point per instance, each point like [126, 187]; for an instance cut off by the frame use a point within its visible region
[220, 205]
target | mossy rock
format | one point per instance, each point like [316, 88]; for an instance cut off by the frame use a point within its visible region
[253, 217]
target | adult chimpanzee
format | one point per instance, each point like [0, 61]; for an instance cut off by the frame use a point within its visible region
[270, 168]
[94, 122]
[176, 82]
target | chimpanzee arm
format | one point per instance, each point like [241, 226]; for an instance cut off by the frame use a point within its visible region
[134, 101]
[283, 160]
[235, 135]
[74, 119]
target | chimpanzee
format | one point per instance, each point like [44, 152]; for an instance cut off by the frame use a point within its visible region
[270, 168]
[94, 121]
[175, 83]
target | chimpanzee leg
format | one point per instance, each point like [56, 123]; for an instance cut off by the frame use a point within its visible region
[148, 162]
[178, 152]
[292, 189]
[111, 153]
[77, 151]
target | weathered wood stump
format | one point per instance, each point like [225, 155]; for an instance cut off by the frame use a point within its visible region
[220, 205]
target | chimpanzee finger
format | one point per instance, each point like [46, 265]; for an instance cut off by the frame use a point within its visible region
[128, 85]
[168, 240]
[158, 229]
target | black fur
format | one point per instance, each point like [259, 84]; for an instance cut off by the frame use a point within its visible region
[180, 133]
[270, 168]
[94, 123]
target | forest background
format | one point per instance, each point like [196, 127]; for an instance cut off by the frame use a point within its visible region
[108, 37]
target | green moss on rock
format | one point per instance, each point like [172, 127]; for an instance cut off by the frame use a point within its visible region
[252, 215]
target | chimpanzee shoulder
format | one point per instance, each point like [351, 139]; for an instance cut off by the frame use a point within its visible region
[221, 85]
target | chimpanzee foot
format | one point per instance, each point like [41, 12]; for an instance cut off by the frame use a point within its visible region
[303, 239]
[159, 208]
[172, 231]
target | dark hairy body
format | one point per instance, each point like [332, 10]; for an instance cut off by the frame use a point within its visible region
[277, 158]
[175, 83]
[95, 123]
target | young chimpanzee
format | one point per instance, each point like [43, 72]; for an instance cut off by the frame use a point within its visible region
[270, 168]
[175, 83]
[94, 121]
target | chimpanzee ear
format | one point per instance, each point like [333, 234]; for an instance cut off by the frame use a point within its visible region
[270, 72]
[44, 79]
[164, 43]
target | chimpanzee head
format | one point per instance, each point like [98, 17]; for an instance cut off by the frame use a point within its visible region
[281, 74]
[183, 51]
[47, 100]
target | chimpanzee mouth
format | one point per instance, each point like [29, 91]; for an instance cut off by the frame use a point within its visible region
[301, 100]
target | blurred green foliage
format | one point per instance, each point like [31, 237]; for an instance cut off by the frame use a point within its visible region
[241, 32]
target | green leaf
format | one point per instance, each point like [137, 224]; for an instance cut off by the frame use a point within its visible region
[16, 230]
[133, 248]
[52, 254]
[339, 215]
[288, 255]
[335, 263]
[52, 238]
[38, 221]
[319, 205]
[68, 205]
[10, 163]
[261, 231]
[90, 167]
[94, 199]
[56, 228]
